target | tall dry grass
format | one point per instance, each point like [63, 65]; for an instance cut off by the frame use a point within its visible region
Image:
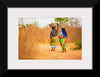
[27, 43]
[74, 34]
[30, 37]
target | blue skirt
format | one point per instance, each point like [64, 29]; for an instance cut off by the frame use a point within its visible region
[53, 46]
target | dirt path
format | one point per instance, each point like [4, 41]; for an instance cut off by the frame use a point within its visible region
[46, 53]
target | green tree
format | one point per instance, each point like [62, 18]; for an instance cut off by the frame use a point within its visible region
[60, 20]
[78, 43]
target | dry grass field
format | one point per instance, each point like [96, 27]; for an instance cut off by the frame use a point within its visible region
[34, 43]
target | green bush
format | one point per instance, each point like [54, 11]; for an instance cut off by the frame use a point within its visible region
[78, 43]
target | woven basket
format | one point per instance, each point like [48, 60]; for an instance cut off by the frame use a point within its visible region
[63, 25]
[53, 24]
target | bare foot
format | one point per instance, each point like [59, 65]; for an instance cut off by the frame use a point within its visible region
[65, 50]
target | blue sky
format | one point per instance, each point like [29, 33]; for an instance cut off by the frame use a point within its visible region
[42, 21]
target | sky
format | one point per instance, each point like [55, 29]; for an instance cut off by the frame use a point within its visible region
[42, 21]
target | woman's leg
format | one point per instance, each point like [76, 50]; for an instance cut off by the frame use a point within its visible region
[51, 49]
[65, 50]
[54, 49]
[62, 49]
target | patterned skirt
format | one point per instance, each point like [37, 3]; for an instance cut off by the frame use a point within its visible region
[53, 42]
[63, 46]
[63, 43]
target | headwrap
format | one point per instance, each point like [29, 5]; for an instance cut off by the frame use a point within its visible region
[61, 34]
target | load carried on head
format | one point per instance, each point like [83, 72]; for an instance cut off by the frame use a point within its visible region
[53, 24]
[53, 34]
[63, 25]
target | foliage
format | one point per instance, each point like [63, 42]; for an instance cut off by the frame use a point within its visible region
[73, 22]
[61, 20]
[78, 43]
[26, 24]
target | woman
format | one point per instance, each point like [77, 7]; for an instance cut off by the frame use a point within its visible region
[62, 37]
[53, 34]
[62, 41]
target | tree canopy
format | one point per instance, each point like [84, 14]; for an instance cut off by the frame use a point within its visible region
[60, 20]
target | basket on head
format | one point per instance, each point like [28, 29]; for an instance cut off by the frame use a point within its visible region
[53, 24]
[63, 25]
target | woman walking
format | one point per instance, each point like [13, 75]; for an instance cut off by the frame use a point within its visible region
[53, 34]
[62, 41]
[62, 37]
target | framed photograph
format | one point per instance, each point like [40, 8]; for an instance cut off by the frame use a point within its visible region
[47, 36]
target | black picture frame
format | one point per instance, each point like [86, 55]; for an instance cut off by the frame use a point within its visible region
[4, 4]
